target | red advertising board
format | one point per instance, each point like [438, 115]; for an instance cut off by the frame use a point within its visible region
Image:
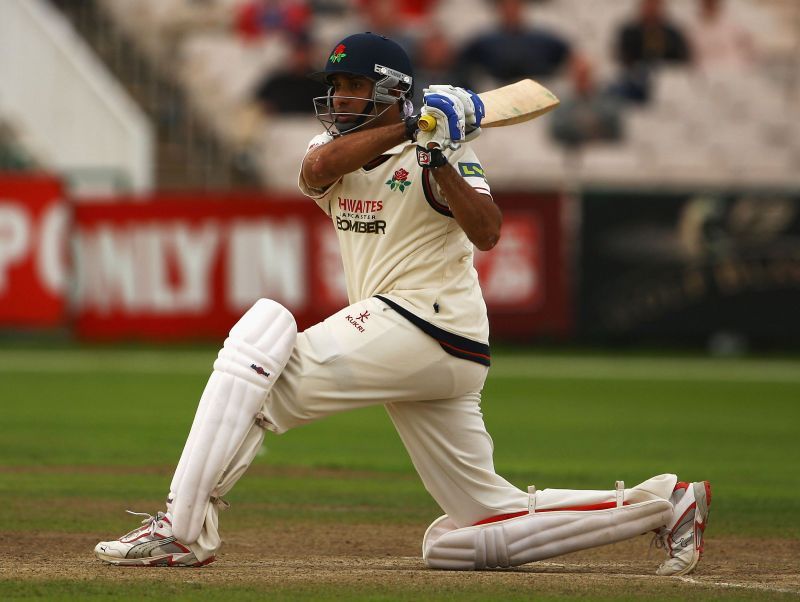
[33, 233]
[525, 279]
[183, 266]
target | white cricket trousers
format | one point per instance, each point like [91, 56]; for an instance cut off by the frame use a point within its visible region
[368, 354]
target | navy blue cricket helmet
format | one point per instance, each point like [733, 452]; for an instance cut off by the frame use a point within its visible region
[375, 57]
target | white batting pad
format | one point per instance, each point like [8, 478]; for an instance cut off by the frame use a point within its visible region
[443, 524]
[658, 487]
[254, 354]
[554, 525]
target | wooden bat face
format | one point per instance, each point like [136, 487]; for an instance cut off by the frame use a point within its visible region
[514, 103]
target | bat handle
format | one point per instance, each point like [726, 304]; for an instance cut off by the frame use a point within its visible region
[427, 123]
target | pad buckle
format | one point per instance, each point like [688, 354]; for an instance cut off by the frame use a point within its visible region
[532, 499]
[620, 493]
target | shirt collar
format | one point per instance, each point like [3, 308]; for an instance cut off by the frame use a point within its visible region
[396, 150]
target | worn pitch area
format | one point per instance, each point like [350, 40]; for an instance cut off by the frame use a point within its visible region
[387, 557]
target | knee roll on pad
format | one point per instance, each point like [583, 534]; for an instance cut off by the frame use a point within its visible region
[542, 535]
[254, 354]
[553, 526]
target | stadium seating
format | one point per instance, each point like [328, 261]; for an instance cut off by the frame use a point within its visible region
[699, 128]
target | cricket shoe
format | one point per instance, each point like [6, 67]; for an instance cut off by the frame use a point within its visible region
[682, 538]
[152, 544]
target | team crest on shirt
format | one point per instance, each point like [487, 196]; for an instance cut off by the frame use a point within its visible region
[399, 180]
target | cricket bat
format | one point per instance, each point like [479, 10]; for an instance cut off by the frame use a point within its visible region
[514, 103]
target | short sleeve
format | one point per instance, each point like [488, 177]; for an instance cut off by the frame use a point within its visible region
[466, 163]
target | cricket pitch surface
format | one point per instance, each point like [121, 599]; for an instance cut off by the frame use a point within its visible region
[358, 557]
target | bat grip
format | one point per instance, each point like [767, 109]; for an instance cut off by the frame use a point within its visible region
[427, 123]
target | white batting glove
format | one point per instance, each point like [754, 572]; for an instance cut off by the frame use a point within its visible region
[473, 108]
[448, 110]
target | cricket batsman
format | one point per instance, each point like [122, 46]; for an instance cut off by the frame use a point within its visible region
[408, 206]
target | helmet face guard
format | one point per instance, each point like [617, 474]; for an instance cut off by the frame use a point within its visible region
[376, 58]
[391, 87]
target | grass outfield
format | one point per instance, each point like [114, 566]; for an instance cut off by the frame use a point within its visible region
[90, 428]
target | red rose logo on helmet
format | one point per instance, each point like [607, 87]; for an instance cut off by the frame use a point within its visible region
[399, 180]
[338, 54]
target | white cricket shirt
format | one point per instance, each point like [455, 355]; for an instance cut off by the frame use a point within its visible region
[400, 242]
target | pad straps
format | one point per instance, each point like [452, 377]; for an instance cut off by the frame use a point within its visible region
[619, 497]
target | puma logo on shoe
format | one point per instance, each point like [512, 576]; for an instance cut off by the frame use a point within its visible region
[144, 549]
[152, 544]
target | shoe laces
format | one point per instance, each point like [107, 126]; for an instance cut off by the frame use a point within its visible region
[661, 537]
[659, 541]
[150, 522]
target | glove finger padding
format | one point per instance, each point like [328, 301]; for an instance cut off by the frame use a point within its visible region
[473, 107]
[436, 138]
[472, 134]
[448, 110]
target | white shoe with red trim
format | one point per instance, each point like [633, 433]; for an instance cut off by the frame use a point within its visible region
[682, 538]
[152, 544]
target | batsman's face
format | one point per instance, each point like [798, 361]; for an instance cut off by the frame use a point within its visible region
[351, 94]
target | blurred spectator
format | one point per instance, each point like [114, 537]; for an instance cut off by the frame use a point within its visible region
[433, 60]
[651, 38]
[644, 43]
[512, 50]
[402, 10]
[255, 18]
[587, 113]
[717, 41]
[386, 18]
[290, 90]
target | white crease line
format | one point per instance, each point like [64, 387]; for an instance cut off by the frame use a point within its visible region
[575, 569]
[689, 580]
[709, 584]
[570, 570]
[753, 586]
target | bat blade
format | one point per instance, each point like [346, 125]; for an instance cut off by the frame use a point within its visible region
[517, 102]
[514, 103]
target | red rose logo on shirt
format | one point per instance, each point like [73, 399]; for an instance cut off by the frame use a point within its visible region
[399, 180]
